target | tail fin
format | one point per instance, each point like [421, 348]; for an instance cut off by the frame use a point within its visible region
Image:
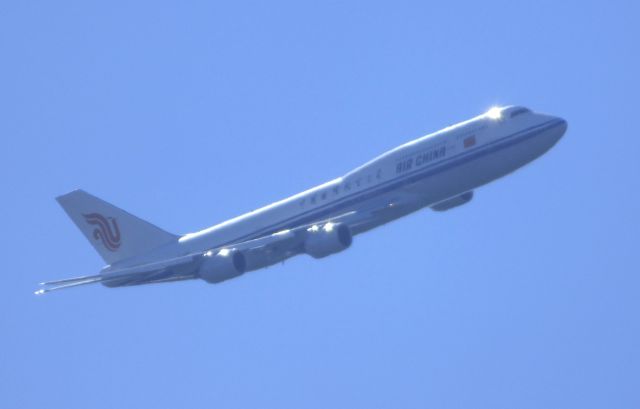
[115, 234]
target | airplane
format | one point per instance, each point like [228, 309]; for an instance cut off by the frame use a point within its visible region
[439, 171]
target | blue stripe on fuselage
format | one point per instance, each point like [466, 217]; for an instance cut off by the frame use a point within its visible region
[338, 206]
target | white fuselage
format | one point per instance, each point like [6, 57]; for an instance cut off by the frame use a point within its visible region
[417, 174]
[439, 170]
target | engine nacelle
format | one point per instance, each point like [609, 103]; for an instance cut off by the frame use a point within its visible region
[261, 257]
[223, 265]
[322, 241]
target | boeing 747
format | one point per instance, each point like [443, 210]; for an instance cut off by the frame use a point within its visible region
[438, 171]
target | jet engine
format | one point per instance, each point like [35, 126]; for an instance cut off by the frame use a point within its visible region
[223, 265]
[322, 241]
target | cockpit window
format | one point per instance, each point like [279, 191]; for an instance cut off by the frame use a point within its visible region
[519, 111]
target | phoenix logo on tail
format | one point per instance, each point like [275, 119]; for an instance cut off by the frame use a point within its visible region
[106, 230]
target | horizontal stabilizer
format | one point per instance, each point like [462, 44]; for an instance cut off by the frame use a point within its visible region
[66, 283]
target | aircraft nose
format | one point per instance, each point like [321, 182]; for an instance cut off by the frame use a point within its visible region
[555, 129]
[561, 127]
[558, 129]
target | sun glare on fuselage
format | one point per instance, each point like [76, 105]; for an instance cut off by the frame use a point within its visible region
[494, 113]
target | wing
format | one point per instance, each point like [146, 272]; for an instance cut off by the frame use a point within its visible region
[277, 247]
[319, 239]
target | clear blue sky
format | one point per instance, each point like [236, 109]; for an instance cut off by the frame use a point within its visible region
[188, 113]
